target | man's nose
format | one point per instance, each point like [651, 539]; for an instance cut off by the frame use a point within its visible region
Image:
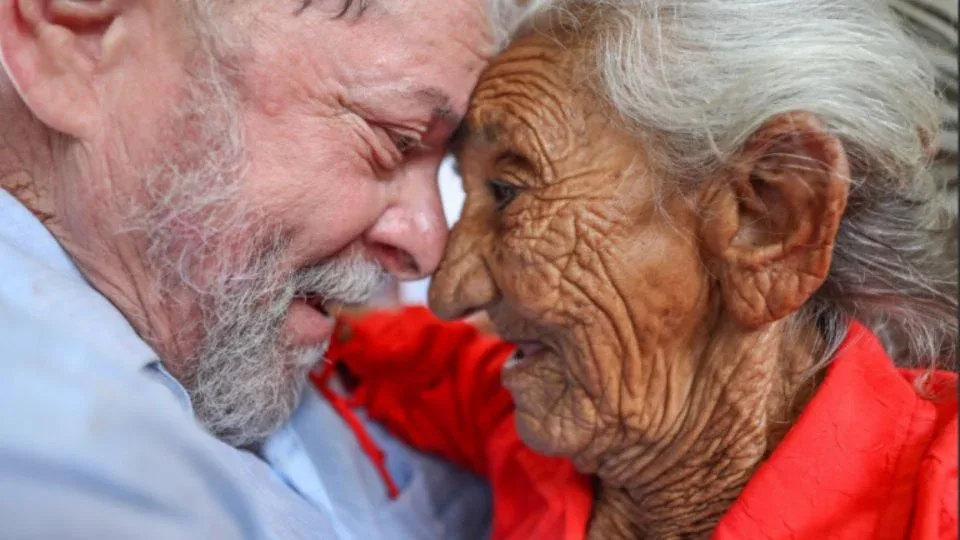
[409, 237]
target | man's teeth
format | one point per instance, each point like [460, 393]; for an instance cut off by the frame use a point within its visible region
[317, 303]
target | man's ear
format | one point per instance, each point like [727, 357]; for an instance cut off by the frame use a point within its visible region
[770, 221]
[51, 50]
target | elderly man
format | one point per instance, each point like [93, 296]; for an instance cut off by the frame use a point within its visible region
[185, 185]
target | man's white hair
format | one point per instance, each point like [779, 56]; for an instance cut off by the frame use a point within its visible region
[695, 78]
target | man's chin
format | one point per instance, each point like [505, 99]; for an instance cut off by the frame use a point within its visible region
[244, 409]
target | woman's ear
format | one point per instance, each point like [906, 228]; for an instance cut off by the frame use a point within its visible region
[51, 51]
[771, 219]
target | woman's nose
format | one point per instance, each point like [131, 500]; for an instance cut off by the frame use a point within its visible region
[463, 285]
[409, 237]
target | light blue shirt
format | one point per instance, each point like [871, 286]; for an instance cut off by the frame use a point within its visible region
[98, 441]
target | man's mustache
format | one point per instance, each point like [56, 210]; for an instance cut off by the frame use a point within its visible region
[343, 280]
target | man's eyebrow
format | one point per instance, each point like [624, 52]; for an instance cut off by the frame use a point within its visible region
[362, 6]
[440, 106]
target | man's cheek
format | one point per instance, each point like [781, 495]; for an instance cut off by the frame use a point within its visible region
[320, 208]
[324, 224]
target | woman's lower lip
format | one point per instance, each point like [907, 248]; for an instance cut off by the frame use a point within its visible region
[307, 326]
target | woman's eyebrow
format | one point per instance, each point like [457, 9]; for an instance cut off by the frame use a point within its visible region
[488, 133]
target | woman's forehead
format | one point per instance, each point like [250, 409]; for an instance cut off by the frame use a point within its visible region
[527, 87]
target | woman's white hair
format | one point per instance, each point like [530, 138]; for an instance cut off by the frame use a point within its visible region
[695, 78]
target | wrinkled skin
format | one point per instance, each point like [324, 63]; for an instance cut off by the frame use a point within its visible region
[665, 369]
[579, 251]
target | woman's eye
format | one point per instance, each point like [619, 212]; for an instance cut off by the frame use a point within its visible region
[502, 192]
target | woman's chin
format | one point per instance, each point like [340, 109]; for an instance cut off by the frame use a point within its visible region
[532, 433]
[549, 409]
[547, 434]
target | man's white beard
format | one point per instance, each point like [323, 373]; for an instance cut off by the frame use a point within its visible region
[248, 380]
[219, 264]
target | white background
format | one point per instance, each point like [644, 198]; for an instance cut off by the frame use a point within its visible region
[451, 193]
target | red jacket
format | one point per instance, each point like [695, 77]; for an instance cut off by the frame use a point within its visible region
[868, 458]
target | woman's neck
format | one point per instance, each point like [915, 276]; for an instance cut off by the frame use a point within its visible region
[752, 389]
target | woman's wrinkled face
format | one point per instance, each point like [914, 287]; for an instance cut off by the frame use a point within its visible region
[579, 255]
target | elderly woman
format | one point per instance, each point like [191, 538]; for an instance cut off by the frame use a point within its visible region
[706, 233]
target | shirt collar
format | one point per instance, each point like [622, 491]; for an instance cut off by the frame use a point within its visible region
[847, 466]
[39, 271]
[20, 229]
